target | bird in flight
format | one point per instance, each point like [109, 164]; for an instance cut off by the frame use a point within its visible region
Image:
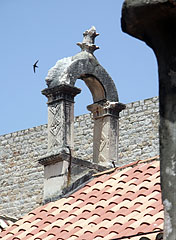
[35, 65]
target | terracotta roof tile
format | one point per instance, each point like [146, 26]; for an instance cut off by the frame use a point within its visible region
[121, 202]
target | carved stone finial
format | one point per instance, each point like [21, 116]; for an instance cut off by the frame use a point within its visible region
[88, 40]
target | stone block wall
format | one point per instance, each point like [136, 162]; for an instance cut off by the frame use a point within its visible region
[21, 178]
[83, 137]
[138, 131]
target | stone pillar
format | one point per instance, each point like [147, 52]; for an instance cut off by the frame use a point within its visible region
[154, 21]
[106, 133]
[60, 138]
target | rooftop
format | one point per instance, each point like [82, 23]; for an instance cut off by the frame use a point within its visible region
[120, 203]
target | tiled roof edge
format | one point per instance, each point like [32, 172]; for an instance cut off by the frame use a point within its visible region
[6, 221]
[160, 233]
[12, 219]
[109, 171]
[79, 183]
[138, 162]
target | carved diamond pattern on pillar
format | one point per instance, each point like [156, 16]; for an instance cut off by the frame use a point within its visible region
[103, 141]
[56, 123]
[56, 119]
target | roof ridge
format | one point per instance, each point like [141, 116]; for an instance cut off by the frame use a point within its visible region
[109, 171]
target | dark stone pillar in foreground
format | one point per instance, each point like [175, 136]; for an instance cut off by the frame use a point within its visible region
[154, 22]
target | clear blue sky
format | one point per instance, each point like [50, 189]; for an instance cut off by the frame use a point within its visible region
[48, 30]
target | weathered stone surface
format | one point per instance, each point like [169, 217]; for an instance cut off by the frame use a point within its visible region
[148, 20]
[60, 117]
[106, 131]
[155, 23]
[61, 92]
[82, 66]
[88, 40]
[55, 179]
[60, 138]
[21, 178]
[139, 3]
[85, 66]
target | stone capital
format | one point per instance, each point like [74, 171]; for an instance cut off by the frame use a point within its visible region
[106, 108]
[61, 92]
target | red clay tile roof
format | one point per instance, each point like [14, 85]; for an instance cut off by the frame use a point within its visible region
[125, 202]
[5, 222]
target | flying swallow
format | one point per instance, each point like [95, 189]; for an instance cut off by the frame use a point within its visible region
[35, 65]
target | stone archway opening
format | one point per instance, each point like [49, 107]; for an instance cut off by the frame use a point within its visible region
[96, 88]
[83, 99]
[84, 123]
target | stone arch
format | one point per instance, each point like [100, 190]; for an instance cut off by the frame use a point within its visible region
[95, 87]
[86, 67]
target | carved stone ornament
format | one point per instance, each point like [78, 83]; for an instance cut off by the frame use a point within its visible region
[85, 66]
[88, 40]
[106, 108]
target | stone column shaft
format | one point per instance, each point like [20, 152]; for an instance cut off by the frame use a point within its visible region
[60, 139]
[60, 132]
[60, 116]
[167, 130]
[106, 132]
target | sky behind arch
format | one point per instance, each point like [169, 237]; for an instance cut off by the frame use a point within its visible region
[48, 30]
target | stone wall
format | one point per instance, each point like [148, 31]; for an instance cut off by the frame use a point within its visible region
[21, 177]
[138, 132]
[83, 137]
